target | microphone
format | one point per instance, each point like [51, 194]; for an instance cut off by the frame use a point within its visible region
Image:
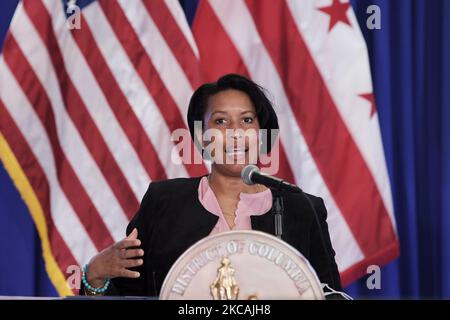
[252, 175]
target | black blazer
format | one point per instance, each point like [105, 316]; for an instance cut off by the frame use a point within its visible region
[171, 219]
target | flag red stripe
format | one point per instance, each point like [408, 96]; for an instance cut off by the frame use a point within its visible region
[79, 114]
[69, 181]
[148, 73]
[36, 177]
[119, 105]
[344, 170]
[176, 40]
[218, 54]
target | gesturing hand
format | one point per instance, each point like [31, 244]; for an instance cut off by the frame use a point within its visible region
[115, 261]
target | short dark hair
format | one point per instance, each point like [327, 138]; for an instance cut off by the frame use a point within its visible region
[265, 112]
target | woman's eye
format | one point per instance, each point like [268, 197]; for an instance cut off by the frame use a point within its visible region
[248, 120]
[219, 121]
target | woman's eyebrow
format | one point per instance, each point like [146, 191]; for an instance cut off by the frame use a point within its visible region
[224, 112]
[218, 112]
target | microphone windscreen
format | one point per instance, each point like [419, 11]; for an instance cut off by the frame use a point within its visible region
[247, 172]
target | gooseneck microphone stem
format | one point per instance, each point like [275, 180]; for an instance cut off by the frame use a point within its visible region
[274, 183]
[278, 210]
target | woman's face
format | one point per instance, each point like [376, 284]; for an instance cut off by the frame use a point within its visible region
[235, 144]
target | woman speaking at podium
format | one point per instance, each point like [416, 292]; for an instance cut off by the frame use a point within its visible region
[176, 213]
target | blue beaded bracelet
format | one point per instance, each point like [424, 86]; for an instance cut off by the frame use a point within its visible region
[91, 288]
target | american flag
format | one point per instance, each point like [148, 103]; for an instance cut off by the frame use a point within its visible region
[86, 114]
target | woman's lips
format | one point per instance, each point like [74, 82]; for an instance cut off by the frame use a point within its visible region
[236, 151]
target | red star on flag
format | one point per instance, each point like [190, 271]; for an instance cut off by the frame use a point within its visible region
[337, 12]
[371, 98]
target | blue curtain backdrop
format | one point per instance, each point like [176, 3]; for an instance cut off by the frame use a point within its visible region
[410, 61]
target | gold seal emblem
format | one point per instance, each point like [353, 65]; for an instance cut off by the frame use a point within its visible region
[224, 286]
[241, 265]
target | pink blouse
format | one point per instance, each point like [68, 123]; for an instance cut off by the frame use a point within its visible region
[250, 204]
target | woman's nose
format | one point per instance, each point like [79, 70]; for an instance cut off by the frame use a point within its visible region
[235, 131]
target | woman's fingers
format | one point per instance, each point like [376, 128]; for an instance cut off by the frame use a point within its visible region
[132, 253]
[124, 273]
[130, 263]
[114, 261]
[126, 243]
[133, 234]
